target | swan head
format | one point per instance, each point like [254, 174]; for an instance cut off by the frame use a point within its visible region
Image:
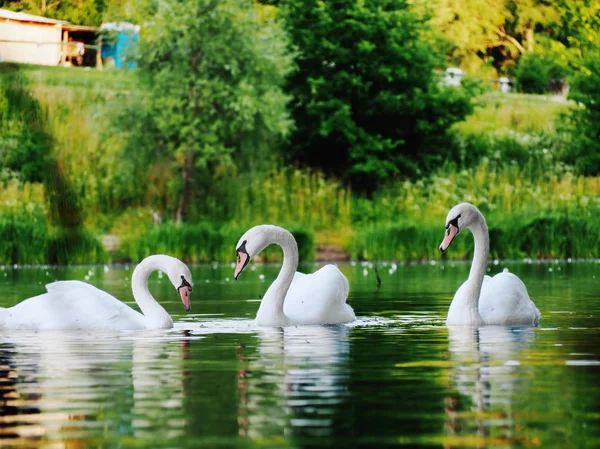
[251, 243]
[460, 217]
[181, 278]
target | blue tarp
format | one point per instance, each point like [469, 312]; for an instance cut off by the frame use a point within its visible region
[120, 47]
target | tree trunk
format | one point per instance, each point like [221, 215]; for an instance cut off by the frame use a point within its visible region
[504, 35]
[529, 40]
[184, 200]
[189, 159]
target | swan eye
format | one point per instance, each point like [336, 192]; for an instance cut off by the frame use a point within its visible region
[185, 283]
[241, 249]
[453, 222]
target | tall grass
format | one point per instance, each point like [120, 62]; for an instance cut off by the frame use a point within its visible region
[72, 103]
[74, 246]
[23, 226]
[26, 238]
[23, 234]
[288, 197]
[516, 237]
[517, 113]
[498, 190]
[204, 242]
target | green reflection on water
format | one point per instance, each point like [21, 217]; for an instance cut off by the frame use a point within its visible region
[398, 377]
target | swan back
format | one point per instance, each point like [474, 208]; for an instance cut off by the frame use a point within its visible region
[71, 305]
[319, 298]
[504, 301]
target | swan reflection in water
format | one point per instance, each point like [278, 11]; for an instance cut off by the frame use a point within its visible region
[296, 382]
[486, 374]
[58, 384]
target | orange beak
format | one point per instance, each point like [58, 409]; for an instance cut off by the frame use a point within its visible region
[184, 293]
[451, 232]
[242, 261]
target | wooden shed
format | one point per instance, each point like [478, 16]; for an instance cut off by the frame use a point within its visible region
[29, 39]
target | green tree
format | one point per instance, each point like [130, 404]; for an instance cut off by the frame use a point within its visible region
[367, 104]
[544, 69]
[210, 100]
[578, 28]
[80, 12]
[584, 121]
[491, 35]
[472, 28]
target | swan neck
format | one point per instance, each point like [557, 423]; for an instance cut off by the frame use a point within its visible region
[156, 316]
[480, 258]
[270, 311]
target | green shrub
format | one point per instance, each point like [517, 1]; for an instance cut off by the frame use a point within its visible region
[306, 247]
[583, 125]
[542, 237]
[68, 247]
[22, 242]
[23, 228]
[189, 242]
[23, 140]
[204, 242]
[367, 103]
[540, 72]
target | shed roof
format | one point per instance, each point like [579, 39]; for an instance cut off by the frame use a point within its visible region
[22, 17]
[71, 27]
[6, 14]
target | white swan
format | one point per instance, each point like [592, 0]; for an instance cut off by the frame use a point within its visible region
[501, 300]
[295, 298]
[76, 305]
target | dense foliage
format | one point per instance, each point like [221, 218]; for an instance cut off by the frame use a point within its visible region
[241, 113]
[584, 123]
[541, 72]
[209, 101]
[367, 104]
[80, 12]
[23, 141]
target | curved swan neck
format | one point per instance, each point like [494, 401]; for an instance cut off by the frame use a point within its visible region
[270, 311]
[156, 316]
[479, 266]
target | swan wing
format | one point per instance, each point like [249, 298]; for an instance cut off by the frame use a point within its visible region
[504, 301]
[319, 298]
[72, 305]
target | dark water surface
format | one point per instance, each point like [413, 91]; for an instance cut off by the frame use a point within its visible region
[396, 377]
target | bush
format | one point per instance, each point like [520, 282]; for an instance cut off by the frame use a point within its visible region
[367, 103]
[24, 239]
[306, 247]
[540, 72]
[67, 247]
[583, 124]
[501, 148]
[22, 242]
[23, 140]
[543, 237]
[23, 227]
[205, 242]
[189, 242]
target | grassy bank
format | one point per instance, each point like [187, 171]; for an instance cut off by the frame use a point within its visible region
[205, 242]
[515, 238]
[509, 167]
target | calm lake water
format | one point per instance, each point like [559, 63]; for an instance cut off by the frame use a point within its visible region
[396, 377]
